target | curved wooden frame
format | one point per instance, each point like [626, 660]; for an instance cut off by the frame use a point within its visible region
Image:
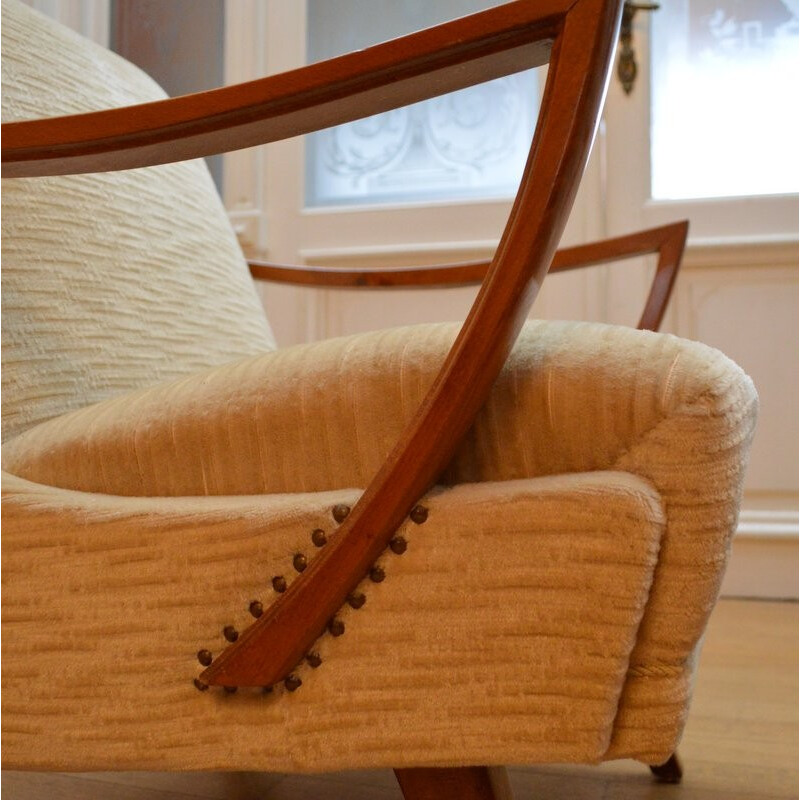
[579, 37]
[668, 241]
[435, 61]
[581, 53]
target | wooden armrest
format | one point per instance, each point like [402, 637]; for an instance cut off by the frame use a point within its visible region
[583, 34]
[469, 273]
[432, 62]
[668, 241]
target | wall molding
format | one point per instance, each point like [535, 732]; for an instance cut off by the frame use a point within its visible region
[243, 183]
[768, 524]
[745, 252]
[708, 253]
[762, 566]
[764, 555]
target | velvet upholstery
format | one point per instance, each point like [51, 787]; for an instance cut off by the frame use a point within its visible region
[110, 281]
[162, 463]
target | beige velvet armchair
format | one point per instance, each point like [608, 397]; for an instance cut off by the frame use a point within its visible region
[422, 548]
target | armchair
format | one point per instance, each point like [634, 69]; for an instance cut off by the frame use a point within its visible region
[430, 549]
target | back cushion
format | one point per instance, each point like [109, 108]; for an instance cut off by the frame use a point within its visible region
[110, 281]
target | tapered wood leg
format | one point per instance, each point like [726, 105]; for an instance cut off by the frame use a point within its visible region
[670, 771]
[457, 783]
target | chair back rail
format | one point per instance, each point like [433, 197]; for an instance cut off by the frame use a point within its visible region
[668, 241]
[425, 64]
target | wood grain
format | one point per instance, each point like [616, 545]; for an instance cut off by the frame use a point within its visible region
[668, 241]
[435, 61]
[465, 783]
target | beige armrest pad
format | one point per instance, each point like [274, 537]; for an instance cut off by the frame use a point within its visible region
[573, 397]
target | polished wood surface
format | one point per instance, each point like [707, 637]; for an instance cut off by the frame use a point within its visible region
[466, 783]
[273, 645]
[434, 277]
[668, 241]
[435, 61]
[740, 741]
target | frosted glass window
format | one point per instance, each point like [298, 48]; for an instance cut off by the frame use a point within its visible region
[724, 98]
[471, 143]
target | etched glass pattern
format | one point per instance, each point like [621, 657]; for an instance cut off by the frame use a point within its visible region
[724, 98]
[471, 143]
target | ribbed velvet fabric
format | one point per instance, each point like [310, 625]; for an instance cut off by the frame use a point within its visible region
[576, 403]
[502, 634]
[163, 464]
[111, 281]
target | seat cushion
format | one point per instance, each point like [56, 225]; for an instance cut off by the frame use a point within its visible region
[111, 281]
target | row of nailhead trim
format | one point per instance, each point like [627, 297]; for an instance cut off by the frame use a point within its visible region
[355, 600]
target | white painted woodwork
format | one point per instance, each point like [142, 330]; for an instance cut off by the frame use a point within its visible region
[737, 291]
[243, 182]
[90, 18]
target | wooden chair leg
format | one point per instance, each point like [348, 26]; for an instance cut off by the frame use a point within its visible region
[670, 771]
[456, 783]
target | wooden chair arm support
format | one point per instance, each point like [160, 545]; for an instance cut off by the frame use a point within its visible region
[425, 64]
[668, 241]
[579, 37]
[470, 273]
[584, 36]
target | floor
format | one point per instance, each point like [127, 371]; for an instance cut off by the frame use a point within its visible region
[740, 743]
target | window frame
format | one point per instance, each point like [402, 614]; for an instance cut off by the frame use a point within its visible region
[719, 220]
